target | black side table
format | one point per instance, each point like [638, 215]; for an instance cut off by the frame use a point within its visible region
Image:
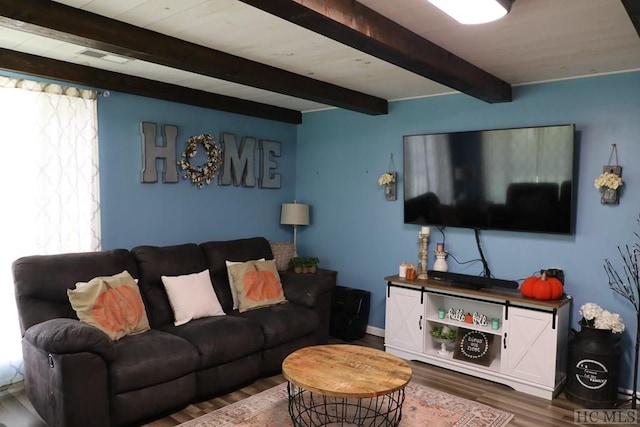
[349, 313]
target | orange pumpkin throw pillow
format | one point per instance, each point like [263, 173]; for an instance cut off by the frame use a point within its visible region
[112, 304]
[257, 284]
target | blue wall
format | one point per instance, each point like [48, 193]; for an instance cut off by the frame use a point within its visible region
[355, 231]
[164, 214]
[333, 160]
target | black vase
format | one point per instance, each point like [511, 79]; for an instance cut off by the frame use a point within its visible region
[592, 373]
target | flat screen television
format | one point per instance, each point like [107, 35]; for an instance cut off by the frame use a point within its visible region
[519, 179]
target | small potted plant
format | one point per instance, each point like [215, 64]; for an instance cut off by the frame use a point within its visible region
[445, 336]
[443, 333]
[304, 264]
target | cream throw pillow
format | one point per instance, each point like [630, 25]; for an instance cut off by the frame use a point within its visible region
[257, 284]
[112, 304]
[232, 288]
[191, 297]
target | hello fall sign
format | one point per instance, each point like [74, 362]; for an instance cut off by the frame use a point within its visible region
[238, 163]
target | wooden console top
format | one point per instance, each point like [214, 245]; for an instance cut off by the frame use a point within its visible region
[498, 295]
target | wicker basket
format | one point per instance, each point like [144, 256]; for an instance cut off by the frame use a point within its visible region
[282, 253]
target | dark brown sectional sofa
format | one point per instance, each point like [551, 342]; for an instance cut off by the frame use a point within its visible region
[75, 375]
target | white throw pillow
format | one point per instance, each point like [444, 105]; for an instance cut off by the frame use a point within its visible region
[191, 297]
[234, 292]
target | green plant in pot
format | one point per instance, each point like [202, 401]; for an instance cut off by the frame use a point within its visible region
[445, 336]
[444, 332]
[304, 264]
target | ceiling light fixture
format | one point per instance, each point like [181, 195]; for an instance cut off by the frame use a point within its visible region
[474, 11]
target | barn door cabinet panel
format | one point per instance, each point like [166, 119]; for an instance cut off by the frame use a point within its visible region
[499, 336]
[405, 322]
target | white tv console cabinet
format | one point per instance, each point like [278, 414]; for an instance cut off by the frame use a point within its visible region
[527, 351]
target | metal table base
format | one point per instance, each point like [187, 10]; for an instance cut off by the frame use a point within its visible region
[309, 409]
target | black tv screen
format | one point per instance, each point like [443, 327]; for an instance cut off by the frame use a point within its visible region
[505, 179]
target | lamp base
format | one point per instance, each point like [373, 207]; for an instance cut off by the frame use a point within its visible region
[295, 240]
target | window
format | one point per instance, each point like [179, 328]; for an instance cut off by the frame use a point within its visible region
[49, 185]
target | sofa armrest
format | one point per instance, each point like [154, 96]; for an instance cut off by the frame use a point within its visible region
[307, 289]
[62, 336]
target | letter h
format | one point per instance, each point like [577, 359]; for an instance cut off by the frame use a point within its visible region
[151, 152]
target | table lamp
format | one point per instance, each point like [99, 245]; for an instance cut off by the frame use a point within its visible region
[294, 214]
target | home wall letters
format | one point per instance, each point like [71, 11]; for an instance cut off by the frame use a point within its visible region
[238, 167]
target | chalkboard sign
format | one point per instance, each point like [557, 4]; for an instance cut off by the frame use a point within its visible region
[474, 347]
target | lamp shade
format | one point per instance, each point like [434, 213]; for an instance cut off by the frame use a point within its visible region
[474, 11]
[294, 214]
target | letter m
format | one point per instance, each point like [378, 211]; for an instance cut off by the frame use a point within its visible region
[238, 162]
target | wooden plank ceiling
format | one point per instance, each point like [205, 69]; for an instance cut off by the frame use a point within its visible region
[347, 22]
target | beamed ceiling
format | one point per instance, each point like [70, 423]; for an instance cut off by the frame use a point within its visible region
[279, 58]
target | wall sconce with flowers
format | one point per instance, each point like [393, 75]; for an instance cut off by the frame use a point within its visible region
[610, 180]
[389, 180]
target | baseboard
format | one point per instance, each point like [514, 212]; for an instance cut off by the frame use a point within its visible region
[378, 332]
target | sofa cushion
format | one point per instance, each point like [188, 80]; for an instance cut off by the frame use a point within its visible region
[110, 303]
[150, 358]
[155, 262]
[220, 339]
[234, 292]
[283, 323]
[257, 284]
[217, 253]
[191, 297]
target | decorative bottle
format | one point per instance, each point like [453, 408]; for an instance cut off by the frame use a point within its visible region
[441, 262]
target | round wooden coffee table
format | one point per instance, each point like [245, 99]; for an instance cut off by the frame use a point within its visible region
[345, 385]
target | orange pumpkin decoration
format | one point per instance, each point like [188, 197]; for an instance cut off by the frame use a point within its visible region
[542, 288]
[526, 289]
[261, 285]
[118, 309]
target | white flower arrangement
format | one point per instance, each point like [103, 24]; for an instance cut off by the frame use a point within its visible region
[608, 180]
[596, 317]
[386, 179]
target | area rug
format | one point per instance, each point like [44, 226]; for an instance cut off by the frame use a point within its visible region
[422, 407]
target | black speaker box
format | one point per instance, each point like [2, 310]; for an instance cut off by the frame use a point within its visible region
[349, 313]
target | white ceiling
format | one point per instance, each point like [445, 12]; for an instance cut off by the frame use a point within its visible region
[540, 40]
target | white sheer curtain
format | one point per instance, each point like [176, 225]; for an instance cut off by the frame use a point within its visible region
[49, 185]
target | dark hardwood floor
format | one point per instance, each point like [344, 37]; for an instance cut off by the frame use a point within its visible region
[16, 411]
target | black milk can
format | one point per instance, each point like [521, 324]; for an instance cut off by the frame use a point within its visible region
[592, 373]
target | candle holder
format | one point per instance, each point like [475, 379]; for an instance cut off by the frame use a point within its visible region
[423, 237]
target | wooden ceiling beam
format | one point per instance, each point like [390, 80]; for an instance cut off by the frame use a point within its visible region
[57, 21]
[355, 25]
[633, 10]
[88, 76]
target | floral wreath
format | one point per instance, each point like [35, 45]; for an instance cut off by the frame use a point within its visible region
[204, 174]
